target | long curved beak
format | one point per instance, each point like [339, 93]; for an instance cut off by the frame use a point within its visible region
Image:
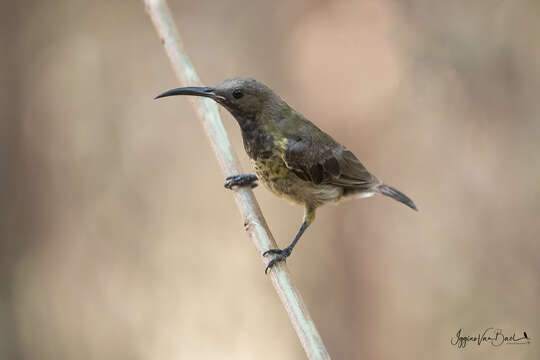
[191, 90]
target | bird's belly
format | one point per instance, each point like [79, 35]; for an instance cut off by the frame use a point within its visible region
[278, 178]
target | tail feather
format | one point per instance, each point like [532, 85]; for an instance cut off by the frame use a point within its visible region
[397, 195]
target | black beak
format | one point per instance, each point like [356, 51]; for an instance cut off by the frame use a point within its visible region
[191, 90]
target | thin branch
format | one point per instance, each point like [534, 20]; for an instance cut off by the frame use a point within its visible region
[254, 222]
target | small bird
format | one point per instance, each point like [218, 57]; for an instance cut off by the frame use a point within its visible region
[292, 157]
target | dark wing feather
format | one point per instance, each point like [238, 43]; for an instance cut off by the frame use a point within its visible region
[327, 162]
[353, 173]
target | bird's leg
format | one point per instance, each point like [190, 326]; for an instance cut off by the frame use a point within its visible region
[240, 180]
[281, 255]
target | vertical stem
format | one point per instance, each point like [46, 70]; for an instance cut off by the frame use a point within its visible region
[254, 222]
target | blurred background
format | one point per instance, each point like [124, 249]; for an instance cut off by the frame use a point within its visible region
[118, 241]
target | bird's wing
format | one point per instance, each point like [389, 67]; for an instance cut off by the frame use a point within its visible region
[321, 160]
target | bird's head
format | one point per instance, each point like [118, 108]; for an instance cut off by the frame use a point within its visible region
[245, 98]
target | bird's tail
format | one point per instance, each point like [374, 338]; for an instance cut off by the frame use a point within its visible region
[397, 195]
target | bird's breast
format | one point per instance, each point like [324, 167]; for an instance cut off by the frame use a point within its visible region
[272, 170]
[258, 143]
[274, 174]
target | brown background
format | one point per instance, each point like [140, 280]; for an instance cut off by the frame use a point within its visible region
[118, 240]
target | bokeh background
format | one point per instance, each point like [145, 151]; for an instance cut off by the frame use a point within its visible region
[118, 241]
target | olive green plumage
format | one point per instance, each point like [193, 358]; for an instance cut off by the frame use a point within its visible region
[292, 157]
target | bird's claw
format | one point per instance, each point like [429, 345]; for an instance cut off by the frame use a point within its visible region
[240, 180]
[280, 255]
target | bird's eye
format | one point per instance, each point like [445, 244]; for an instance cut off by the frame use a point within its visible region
[237, 93]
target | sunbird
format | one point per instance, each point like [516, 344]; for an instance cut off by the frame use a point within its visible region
[292, 157]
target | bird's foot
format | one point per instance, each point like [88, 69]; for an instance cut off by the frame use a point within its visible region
[240, 180]
[279, 255]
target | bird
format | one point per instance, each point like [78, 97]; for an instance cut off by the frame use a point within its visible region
[292, 157]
